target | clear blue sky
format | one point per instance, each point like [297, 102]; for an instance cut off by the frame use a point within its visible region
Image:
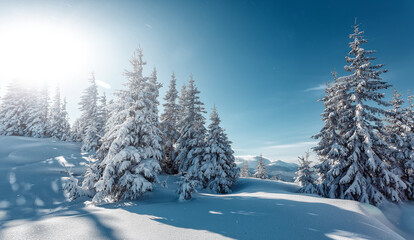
[260, 62]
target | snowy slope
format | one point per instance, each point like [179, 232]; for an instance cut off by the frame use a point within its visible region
[32, 206]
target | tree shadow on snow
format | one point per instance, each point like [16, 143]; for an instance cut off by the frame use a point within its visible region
[241, 217]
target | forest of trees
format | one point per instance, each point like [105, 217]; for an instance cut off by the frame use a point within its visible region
[131, 144]
[366, 146]
[365, 149]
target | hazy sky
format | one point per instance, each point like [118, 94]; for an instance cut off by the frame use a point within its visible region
[261, 62]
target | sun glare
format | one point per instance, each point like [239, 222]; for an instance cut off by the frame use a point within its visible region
[41, 51]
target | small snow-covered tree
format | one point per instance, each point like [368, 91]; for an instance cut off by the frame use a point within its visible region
[191, 143]
[260, 171]
[169, 127]
[305, 175]
[131, 162]
[245, 169]
[218, 169]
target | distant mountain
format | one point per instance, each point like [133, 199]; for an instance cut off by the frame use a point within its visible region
[283, 170]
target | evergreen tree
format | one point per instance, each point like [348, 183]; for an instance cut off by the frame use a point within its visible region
[13, 115]
[64, 123]
[102, 114]
[35, 125]
[59, 122]
[260, 171]
[55, 114]
[191, 143]
[245, 170]
[305, 175]
[408, 168]
[218, 169]
[331, 149]
[169, 127]
[88, 121]
[364, 174]
[131, 163]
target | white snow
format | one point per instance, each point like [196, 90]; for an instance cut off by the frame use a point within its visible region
[33, 206]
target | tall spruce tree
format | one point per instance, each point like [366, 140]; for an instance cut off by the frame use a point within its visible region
[218, 169]
[59, 122]
[169, 127]
[191, 143]
[55, 115]
[408, 169]
[331, 149]
[102, 116]
[88, 121]
[365, 173]
[131, 163]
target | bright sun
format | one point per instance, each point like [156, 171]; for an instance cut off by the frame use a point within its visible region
[41, 51]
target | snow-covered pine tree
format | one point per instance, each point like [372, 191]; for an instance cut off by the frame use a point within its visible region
[13, 114]
[191, 143]
[305, 175]
[55, 115]
[64, 123]
[366, 174]
[331, 149]
[131, 164]
[260, 171]
[102, 116]
[245, 170]
[88, 121]
[35, 125]
[218, 169]
[169, 127]
[59, 121]
[181, 110]
[408, 169]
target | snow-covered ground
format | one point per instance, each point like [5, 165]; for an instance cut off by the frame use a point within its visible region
[33, 206]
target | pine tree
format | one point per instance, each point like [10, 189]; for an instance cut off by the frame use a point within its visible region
[102, 116]
[13, 115]
[64, 123]
[218, 169]
[55, 114]
[364, 174]
[245, 170]
[408, 168]
[331, 149]
[305, 175]
[169, 127]
[88, 121]
[131, 164]
[260, 171]
[59, 122]
[191, 143]
[36, 122]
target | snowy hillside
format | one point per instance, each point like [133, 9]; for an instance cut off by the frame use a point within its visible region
[32, 206]
[284, 170]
